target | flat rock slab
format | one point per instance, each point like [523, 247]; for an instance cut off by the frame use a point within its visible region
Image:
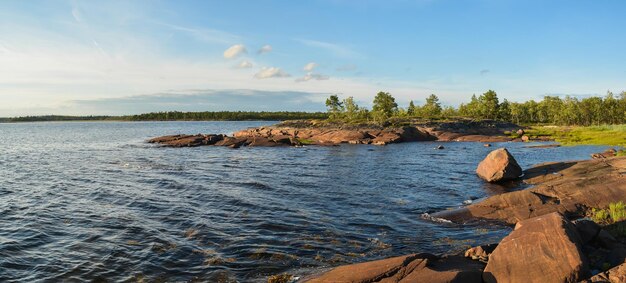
[566, 187]
[543, 249]
[405, 269]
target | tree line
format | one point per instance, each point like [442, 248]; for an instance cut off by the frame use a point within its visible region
[225, 116]
[181, 116]
[595, 110]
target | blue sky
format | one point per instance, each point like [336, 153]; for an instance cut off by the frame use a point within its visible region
[125, 57]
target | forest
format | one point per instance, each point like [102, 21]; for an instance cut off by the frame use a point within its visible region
[554, 110]
[594, 110]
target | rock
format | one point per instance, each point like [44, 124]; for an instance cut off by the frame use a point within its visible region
[541, 249]
[605, 154]
[525, 138]
[327, 133]
[439, 147]
[587, 230]
[614, 275]
[520, 132]
[605, 240]
[411, 268]
[480, 252]
[487, 145]
[566, 187]
[499, 165]
[231, 142]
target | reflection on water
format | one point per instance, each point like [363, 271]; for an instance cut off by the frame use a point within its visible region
[86, 201]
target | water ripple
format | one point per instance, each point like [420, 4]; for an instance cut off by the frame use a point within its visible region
[96, 203]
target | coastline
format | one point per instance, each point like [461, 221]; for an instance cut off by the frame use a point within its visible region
[562, 192]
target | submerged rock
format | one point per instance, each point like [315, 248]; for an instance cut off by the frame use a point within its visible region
[499, 165]
[542, 249]
[410, 268]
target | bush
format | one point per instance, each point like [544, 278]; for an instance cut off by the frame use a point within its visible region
[614, 213]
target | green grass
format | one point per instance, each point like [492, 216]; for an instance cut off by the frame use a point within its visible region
[616, 212]
[306, 141]
[614, 135]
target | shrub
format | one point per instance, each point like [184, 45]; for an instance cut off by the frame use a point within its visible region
[617, 211]
[614, 213]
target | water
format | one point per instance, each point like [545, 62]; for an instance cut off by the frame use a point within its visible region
[93, 201]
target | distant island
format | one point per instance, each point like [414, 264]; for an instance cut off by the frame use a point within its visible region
[179, 116]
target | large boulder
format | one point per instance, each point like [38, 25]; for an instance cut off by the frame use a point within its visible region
[541, 249]
[499, 165]
[410, 268]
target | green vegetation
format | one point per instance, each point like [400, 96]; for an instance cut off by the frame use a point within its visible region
[616, 212]
[612, 218]
[553, 110]
[573, 135]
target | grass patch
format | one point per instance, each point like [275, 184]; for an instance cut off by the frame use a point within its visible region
[616, 212]
[614, 135]
[306, 141]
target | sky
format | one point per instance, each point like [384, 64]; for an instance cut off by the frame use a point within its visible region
[71, 57]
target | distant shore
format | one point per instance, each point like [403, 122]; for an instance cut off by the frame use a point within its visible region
[178, 116]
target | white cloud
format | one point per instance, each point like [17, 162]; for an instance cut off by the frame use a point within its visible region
[234, 51]
[265, 49]
[312, 76]
[310, 66]
[271, 72]
[245, 64]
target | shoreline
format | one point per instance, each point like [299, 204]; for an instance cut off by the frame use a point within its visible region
[600, 182]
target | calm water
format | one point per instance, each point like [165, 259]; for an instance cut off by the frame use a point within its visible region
[92, 201]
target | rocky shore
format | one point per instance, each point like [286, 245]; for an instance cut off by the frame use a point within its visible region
[312, 132]
[552, 240]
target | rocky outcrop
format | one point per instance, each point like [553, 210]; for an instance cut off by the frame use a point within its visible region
[339, 135]
[566, 187]
[605, 154]
[542, 249]
[410, 268]
[499, 165]
[222, 140]
[309, 132]
[547, 248]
